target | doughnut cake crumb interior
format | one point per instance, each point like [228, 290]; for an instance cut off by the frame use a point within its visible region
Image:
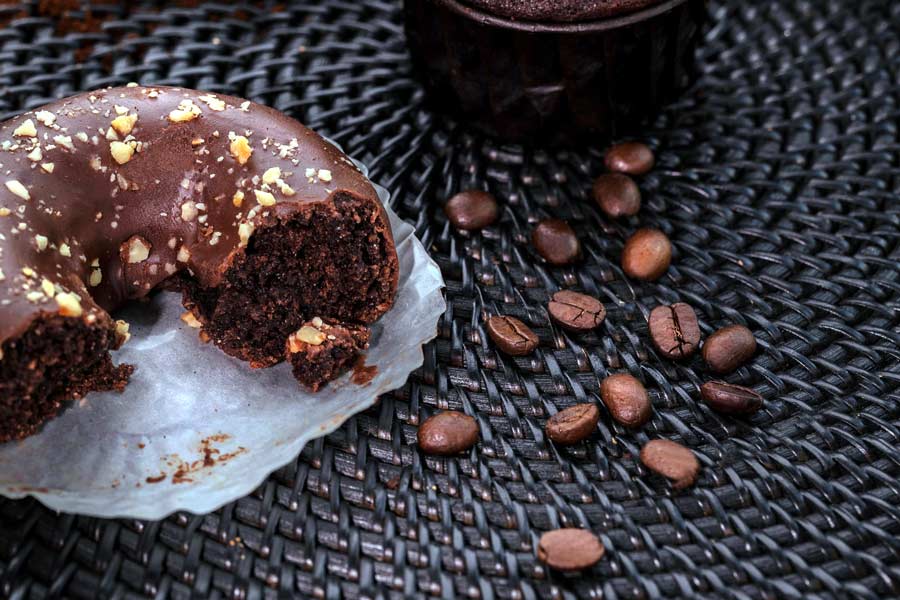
[264, 227]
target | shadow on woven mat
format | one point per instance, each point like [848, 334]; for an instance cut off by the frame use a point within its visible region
[777, 180]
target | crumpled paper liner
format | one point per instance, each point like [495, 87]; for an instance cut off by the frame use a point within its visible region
[196, 429]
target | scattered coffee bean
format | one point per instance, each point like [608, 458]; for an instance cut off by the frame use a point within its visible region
[647, 254]
[472, 209]
[671, 460]
[633, 158]
[731, 399]
[447, 433]
[569, 549]
[627, 399]
[556, 242]
[674, 330]
[578, 312]
[573, 424]
[511, 335]
[729, 348]
[617, 195]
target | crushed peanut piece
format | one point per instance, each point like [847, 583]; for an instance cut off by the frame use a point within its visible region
[191, 320]
[238, 198]
[48, 167]
[45, 116]
[65, 141]
[26, 129]
[124, 123]
[4, 212]
[69, 304]
[264, 198]
[184, 254]
[64, 250]
[96, 277]
[18, 189]
[41, 241]
[245, 230]
[186, 111]
[189, 211]
[138, 250]
[122, 334]
[305, 335]
[48, 288]
[121, 152]
[240, 149]
[213, 102]
[271, 175]
[324, 175]
[35, 155]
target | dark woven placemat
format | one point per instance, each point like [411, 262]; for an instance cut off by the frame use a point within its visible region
[778, 179]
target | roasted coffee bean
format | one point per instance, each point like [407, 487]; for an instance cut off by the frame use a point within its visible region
[573, 424]
[556, 242]
[569, 549]
[671, 460]
[633, 158]
[627, 399]
[447, 433]
[617, 195]
[472, 209]
[578, 312]
[731, 399]
[729, 348]
[674, 330]
[511, 335]
[647, 254]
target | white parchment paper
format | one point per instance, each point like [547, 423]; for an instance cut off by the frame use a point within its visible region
[196, 429]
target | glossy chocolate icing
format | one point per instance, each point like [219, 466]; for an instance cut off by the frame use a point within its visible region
[73, 220]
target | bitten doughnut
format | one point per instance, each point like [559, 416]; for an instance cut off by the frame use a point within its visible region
[108, 195]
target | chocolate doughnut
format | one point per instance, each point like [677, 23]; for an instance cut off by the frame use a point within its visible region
[109, 195]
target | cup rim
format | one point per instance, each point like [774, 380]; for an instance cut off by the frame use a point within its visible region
[614, 22]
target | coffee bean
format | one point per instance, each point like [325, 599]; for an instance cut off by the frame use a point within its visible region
[447, 433]
[627, 399]
[674, 330]
[731, 399]
[671, 460]
[633, 158]
[617, 195]
[578, 312]
[569, 549]
[511, 335]
[573, 424]
[556, 242]
[647, 254]
[472, 209]
[729, 348]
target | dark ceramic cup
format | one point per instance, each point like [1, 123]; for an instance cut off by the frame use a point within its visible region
[553, 81]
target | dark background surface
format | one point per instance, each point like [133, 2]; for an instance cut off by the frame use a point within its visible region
[777, 180]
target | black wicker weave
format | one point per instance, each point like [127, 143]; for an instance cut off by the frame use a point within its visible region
[778, 179]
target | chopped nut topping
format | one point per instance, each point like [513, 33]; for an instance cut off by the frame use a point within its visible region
[41, 241]
[184, 254]
[96, 277]
[264, 198]
[27, 271]
[245, 106]
[48, 288]
[191, 320]
[189, 211]
[213, 102]
[2, 275]
[138, 250]
[82, 137]
[121, 152]
[48, 167]
[271, 175]
[285, 188]
[238, 198]
[305, 335]
[245, 230]
[65, 141]
[240, 149]
[64, 250]
[111, 134]
[45, 116]
[69, 305]
[186, 111]
[95, 163]
[18, 189]
[26, 129]
[317, 322]
[4, 212]
[324, 175]
[124, 123]
[122, 334]
[35, 296]
[35, 155]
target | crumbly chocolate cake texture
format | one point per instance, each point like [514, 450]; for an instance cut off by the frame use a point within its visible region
[109, 195]
[320, 350]
[560, 11]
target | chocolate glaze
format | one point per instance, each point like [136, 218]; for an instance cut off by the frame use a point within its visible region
[560, 10]
[175, 196]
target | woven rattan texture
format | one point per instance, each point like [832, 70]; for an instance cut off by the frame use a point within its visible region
[778, 178]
